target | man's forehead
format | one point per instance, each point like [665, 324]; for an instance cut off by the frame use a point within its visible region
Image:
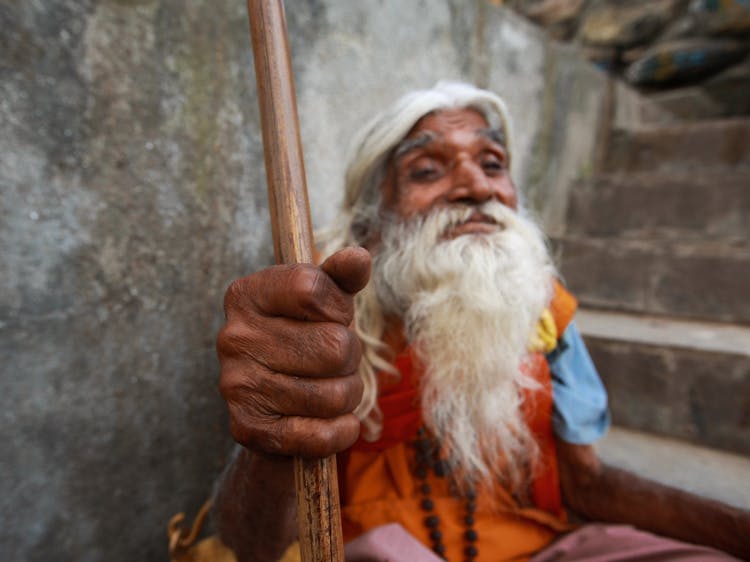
[442, 121]
[437, 125]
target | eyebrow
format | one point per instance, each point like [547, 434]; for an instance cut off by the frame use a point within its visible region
[407, 145]
[495, 135]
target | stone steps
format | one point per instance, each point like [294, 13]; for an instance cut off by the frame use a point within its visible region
[703, 279]
[660, 205]
[679, 147]
[657, 249]
[683, 379]
[716, 337]
[703, 471]
[722, 96]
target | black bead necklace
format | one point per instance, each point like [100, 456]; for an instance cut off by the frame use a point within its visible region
[428, 457]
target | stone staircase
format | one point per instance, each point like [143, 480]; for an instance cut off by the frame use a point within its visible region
[657, 249]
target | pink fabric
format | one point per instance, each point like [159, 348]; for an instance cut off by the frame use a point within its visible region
[622, 543]
[388, 543]
[590, 543]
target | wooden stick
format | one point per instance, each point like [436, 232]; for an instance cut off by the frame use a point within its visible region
[318, 511]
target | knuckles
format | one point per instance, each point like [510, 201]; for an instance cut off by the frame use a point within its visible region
[317, 297]
[256, 435]
[319, 444]
[238, 390]
[234, 340]
[342, 348]
[308, 438]
[307, 285]
[348, 394]
[310, 418]
[339, 397]
[300, 291]
[236, 292]
[335, 397]
[321, 439]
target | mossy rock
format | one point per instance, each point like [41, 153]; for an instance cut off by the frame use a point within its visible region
[723, 17]
[682, 62]
[627, 24]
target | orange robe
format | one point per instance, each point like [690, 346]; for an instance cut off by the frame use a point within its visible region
[377, 484]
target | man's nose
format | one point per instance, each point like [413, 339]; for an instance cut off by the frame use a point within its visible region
[472, 185]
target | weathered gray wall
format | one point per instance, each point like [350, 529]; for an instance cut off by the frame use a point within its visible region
[133, 192]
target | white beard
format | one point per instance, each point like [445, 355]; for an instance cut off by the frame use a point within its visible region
[469, 306]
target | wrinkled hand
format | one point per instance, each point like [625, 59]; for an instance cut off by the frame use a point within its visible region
[289, 359]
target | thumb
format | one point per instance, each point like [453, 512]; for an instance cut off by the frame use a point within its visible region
[349, 268]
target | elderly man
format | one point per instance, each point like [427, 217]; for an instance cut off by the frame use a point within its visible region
[454, 386]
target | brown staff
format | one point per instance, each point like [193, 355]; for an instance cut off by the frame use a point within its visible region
[318, 511]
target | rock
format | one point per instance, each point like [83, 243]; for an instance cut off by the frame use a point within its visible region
[729, 90]
[688, 103]
[661, 44]
[626, 25]
[683, 27]
[725, 17]
[686, 61]
[552, 12]
[631, 55]
[559, 18]
[605, 58]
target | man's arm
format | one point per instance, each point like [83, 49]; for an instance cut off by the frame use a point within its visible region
[602, 493]
[255, 506]
[289, 377]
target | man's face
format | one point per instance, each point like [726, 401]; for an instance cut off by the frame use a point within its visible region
[451, 156]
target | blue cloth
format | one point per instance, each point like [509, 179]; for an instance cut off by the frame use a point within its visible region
[580, 414]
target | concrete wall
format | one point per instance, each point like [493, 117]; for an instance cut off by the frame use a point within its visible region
[133, 192]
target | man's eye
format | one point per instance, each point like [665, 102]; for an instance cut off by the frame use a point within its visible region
[424, 174]
[493, 164]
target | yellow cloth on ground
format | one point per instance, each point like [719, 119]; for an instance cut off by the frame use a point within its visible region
[208, 550]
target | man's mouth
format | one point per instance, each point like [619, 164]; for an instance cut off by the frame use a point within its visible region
[477, 223]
